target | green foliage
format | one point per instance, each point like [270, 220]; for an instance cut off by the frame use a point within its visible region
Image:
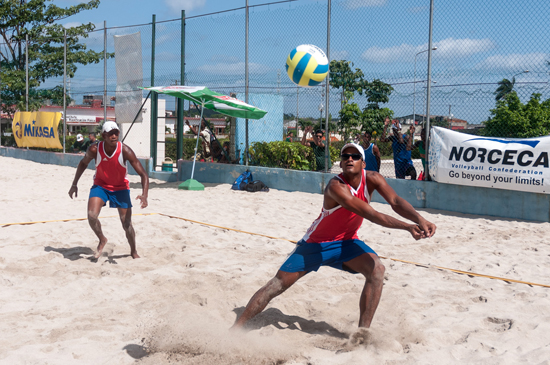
[373, 120]
[377, 92]
[504, 88]
[188, 147]
[350, 121]
[440, 122]
[342, 76]
[512, 119]
[40, 22]
[286, 155]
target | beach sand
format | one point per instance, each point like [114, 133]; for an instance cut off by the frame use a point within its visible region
[176, 303]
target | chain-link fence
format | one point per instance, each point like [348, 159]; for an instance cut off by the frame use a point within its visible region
[490, 76]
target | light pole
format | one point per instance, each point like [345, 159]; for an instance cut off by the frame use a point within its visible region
[424, 117]
[414, 92]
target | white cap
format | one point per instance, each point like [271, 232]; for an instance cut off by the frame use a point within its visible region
[109, 126]
[356, 146]
[396, 126]
[79, 137]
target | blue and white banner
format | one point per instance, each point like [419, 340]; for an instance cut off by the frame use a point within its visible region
[502, 163]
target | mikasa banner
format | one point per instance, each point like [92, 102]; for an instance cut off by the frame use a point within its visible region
[502, 163]
[36, 129]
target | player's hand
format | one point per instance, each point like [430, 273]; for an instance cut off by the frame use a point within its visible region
[143, 199]
[428, 228]
[386, 121]
[73, 190]
[412, 129]
[415, 231]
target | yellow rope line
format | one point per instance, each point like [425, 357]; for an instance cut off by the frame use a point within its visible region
[286, 239]
[382, 257]
[64, 220]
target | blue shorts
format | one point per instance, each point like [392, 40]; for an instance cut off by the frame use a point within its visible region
[311, 256]
[117, 199]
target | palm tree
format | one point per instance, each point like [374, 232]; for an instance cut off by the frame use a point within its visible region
[505, 87]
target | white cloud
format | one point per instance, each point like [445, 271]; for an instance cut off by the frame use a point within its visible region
[356, 4]
[339, 55]
[447, 48]
[233, 68]
[224, 58]
[514, 61]
[71, 24]
[187, 5]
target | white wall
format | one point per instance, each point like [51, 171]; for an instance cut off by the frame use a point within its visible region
[139, 136]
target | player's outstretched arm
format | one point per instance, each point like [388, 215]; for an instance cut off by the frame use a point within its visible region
[398, 204]
[339, 193]
[130, 156]
[91, 152]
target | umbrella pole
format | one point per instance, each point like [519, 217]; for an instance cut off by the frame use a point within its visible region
[197, 144]
[191, 184]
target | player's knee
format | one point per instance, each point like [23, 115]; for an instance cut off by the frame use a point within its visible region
[127, 225]
[92, 215]
[378, 271]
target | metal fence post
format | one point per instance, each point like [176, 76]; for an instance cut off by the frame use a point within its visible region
[104, 71]
[246, 79]
[64, 88]
[180, 106]
[27, 72]
[428, 89]
[154, 100]
[327, 130]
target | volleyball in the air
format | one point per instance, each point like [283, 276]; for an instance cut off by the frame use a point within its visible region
[307, 65]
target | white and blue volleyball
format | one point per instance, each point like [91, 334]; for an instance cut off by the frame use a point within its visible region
[307, 65]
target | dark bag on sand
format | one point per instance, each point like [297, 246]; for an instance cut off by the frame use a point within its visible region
[256, 185]
[242, 181]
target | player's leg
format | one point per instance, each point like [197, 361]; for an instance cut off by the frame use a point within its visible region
[411, 171]
[94, 208]
[126, 220]
[276, 286]
[370, 266]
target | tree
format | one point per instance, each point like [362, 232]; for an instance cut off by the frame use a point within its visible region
[504, 88]
[442, 122]
[39, 21]
[351, 119]
[512, 119]
[342, 76]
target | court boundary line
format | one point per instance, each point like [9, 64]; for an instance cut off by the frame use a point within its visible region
[428, 266]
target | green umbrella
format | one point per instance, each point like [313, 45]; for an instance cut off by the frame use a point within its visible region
[211, 100]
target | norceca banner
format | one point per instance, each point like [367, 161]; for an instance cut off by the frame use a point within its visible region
[36, 129]
[502, 163]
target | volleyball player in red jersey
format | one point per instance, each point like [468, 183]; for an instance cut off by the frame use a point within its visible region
[111, 184]
[332, 238]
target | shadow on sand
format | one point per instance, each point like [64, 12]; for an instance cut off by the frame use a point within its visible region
[278, 319]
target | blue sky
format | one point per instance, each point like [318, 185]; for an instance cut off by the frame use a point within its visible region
[479, 43]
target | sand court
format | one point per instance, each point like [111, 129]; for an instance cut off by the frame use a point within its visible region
[176, 303]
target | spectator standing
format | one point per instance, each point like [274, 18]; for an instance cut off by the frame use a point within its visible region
[90, 141]
[78, 145]
[401, 146]
[289, 137]
[318, 147]
[206, 139]
[372, 153]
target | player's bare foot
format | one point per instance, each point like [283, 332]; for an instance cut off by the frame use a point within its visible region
[100, 248]
[134, 255]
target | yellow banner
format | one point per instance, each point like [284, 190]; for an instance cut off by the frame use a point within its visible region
[36, 129]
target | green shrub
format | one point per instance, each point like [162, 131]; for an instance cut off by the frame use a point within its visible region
[286, 155]
[188, 147]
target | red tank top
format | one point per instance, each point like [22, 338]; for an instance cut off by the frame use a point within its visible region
[338, 224]
[111, 171]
